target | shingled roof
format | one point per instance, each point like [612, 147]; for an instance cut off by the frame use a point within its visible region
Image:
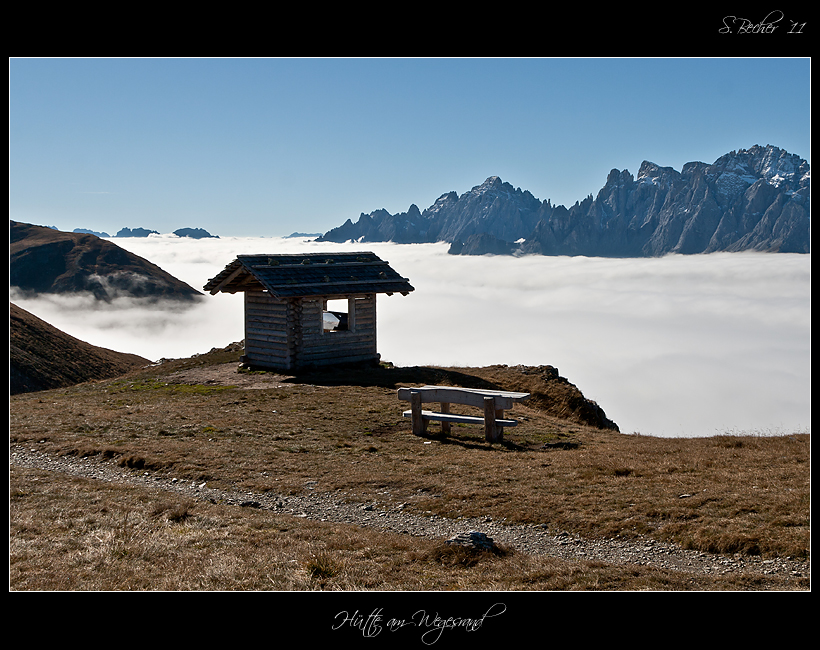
[311, 274]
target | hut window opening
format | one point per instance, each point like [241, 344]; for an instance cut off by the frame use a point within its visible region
[338, 315]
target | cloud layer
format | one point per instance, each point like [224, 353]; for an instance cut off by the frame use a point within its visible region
[672, 346]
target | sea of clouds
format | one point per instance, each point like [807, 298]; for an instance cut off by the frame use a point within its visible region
[674, 346]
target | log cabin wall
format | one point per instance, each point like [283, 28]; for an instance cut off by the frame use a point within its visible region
[289, 334]
[270, 339]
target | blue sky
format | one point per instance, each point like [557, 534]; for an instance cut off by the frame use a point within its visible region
[265, 147]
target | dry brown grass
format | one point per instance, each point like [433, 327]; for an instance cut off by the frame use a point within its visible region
[726, 494]
[77, 534]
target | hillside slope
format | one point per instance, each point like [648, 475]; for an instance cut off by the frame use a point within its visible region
[42, 357]
[43, 260]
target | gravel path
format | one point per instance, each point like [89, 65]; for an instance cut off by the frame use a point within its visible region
[531, 539]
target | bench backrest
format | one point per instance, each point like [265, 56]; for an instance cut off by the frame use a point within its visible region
[470, 396]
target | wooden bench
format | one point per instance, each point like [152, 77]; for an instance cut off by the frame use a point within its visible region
[492, 402]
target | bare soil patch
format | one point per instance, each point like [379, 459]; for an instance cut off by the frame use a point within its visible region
[227, 374]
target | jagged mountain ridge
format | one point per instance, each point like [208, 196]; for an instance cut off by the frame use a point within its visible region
[755, 199]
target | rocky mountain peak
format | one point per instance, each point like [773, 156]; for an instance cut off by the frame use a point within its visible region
[444, 199]
[776, 166]
[655, 174]
[494, 187]
[492, 183]
[619, 178]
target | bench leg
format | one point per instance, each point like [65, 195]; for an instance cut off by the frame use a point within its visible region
[445, 426]
[499, 431]
[419, 425]
[492, 433]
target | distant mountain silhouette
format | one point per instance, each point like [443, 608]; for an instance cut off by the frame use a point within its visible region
[90, 232]
[755, 199]
[194, 233]
[42, 357]
[136, 232]
[43, 260]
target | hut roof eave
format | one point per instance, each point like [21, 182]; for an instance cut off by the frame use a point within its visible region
[310, 275]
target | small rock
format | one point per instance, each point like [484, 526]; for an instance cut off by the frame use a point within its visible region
[473, 539]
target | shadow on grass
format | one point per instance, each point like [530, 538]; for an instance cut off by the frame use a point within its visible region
[471, 441]
[384, 376]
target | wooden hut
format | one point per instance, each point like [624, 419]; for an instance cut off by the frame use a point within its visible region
[291, 322]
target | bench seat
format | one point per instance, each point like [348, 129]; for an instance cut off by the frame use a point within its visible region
[463, 419]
